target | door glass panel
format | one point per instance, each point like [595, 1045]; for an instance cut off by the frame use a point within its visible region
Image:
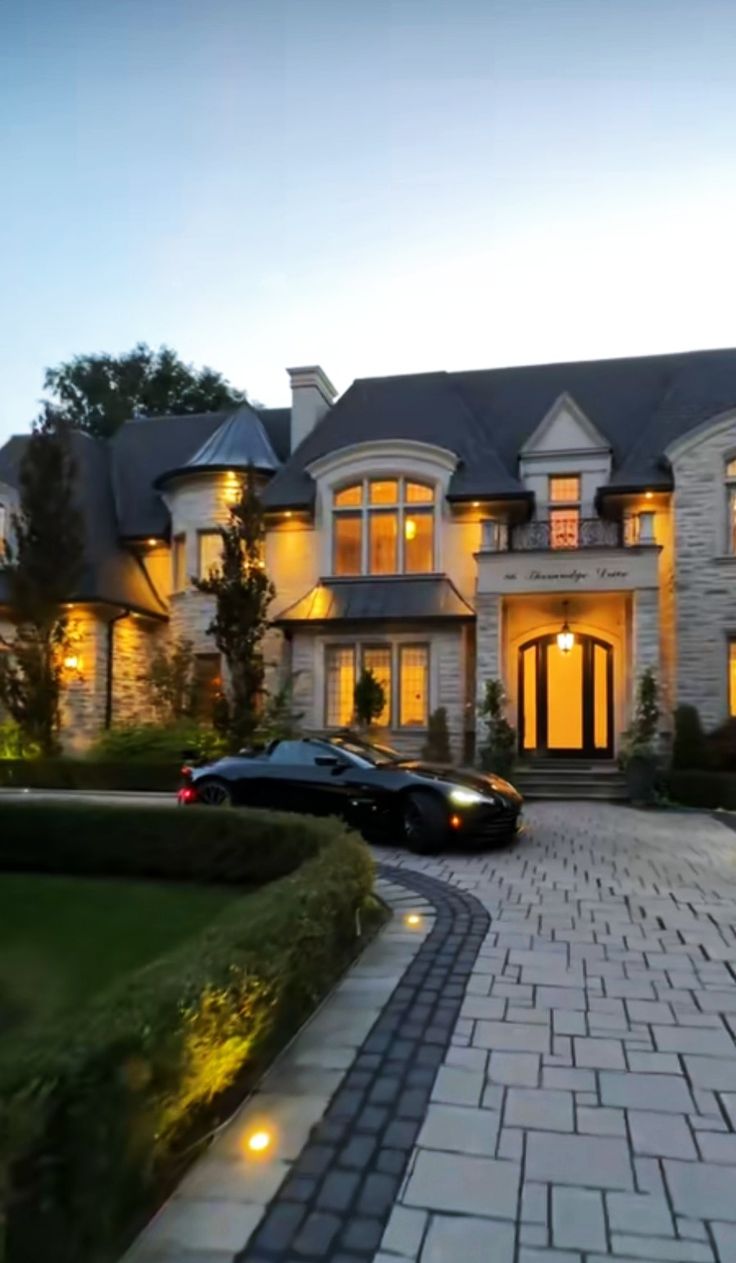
[565, 698]
[529, 670]
[377, 658]
[600, 697]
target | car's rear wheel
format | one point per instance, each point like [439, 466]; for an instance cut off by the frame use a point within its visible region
[214, 794]
[425, 823]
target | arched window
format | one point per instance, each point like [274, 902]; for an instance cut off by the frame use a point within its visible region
[731, 505]
[383, 526]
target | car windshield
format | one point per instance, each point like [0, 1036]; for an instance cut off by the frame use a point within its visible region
[378, 756]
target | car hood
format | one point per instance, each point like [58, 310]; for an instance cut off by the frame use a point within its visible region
[468, 777]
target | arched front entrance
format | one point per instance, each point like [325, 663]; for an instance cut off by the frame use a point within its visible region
[566, 699]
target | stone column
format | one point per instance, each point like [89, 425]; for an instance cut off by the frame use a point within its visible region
[645, 632]
[487, 640]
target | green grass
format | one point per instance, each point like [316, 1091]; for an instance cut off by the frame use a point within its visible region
[65, 939]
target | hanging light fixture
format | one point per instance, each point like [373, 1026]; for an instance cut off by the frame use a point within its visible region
[565, 638]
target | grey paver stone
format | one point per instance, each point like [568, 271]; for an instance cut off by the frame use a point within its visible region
[578, 1219]
[692, 1229]
[666, 1248]
[639, 1213]
[473, 1240]
[511, 1037]
[544, 1109]
[717, 1147]
[528, 1254]
[596, 1161]
[718, 1073]
[649, 1011]
[532, 1234]
[514, 1069]
[599, 1121]
[534, 1202]
[702, 1190]
[599, 1054]
[691, 1039]
[459, 1129]
[568, 1079]
[465, 1184]
[458, 1087]
[199, 1224]
[404, 1231]
[660, 1135]
[725, 1239]
[652, 1062]
[645, 1091]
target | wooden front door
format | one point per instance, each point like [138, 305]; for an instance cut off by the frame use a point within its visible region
[566, 699]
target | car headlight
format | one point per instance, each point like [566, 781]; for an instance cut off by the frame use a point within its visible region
[465, 797]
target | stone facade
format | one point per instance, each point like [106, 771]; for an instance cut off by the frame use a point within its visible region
[705, 571]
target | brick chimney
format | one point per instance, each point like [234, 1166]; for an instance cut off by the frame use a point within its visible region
[312, 395]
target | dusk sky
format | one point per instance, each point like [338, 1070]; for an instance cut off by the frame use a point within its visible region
[378, 186]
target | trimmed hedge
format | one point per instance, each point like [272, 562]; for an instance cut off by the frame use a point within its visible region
[93, 1118]
[703, 788]
[93, 774]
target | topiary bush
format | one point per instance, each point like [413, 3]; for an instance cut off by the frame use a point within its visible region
[96, 1112]
[497, 751]
[688, 749]
[436, 748]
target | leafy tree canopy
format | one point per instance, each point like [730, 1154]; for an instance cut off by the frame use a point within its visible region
[97, 393]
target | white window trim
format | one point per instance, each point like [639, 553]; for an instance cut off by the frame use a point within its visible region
[359, 644]
[401, 507]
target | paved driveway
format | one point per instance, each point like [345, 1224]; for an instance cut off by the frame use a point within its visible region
[593, 1067]
[535, 1064]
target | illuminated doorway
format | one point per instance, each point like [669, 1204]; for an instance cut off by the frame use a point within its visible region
[566, 699]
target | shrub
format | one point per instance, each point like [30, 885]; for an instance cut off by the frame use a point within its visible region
[84, 774]
[172, 680]
[437, 746]
[497, 752]
[721, 747]
[156, 742]
[701, 788]
[104, 1106]
[688, 749]
[369, 698]
[639, 737]
[13, 743]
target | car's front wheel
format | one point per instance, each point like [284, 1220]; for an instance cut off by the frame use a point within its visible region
[214, 794]
[425, 823]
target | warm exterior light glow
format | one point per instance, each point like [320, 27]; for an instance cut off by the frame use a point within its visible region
[152, 543]
[565, 638]
[455, 822]
[410, 528]
[287, 513]
[259, 1141]
[72, 662]
[476, 504]
[231, 493]
[413, 919]
[648, 495]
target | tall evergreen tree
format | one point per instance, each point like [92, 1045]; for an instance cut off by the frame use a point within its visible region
[97, 393]
[243, 593]
[44, 561]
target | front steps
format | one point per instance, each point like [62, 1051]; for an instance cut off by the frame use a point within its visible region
[569, 778]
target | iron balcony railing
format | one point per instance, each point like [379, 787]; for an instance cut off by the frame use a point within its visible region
[559, 534]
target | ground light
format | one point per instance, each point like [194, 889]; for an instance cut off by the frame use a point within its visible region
[258, 1141]
[413, 919]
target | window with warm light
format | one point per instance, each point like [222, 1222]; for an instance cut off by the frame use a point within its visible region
[731, 506]
[732, 677]
[564, 511]
[384, 526]
[210, 553]
[401, 670]
[413, 682]
[178, 563]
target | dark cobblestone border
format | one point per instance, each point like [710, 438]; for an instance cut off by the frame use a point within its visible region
[334, 1204]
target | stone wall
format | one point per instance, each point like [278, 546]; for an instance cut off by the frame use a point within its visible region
[706, 574]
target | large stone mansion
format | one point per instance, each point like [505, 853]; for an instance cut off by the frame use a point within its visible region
[441, 529]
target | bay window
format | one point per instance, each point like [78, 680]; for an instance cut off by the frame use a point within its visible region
[210, 553]
[383, 526]
[402, 671]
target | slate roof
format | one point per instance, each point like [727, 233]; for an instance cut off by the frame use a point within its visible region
[640, 404]
[238, 442]
[111, 574]
[404, 597]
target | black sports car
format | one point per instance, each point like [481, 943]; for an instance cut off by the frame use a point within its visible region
[371, 787]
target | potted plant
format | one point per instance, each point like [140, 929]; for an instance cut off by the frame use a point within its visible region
[497, 752]
[638, 753]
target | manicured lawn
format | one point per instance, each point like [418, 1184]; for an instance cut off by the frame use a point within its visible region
[63, 939]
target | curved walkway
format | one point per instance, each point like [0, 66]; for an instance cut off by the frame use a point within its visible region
[538, 1064]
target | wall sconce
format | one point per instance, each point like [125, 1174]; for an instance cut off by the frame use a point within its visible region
[565, 637]
[73, 664]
